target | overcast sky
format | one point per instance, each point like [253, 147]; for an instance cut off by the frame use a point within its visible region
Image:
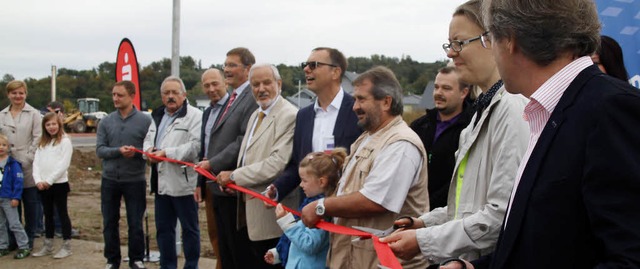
[79, 34]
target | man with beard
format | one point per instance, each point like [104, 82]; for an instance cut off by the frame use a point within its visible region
[265, 151]
[175, 134]
[440, 130]
[385, 176]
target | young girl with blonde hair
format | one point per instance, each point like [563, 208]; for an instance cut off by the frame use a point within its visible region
[50, 165]
[302, 247]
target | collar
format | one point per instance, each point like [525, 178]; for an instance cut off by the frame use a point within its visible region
[240, 89]
[335, 103]
[484, 99]
[549, 93]
[221, 101]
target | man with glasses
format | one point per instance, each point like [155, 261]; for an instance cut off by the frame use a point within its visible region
[222, 155]
[328, 123]
[490, 150]
[576, 202]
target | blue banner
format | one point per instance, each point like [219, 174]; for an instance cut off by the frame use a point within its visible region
[621, 21]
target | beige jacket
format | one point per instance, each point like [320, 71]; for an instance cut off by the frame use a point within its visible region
[265, 158]
[495, 147]
[24, 133]
[360, 254]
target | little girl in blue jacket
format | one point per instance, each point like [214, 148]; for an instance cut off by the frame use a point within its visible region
[308, 247]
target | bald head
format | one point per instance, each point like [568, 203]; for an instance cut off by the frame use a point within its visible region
[213, 84]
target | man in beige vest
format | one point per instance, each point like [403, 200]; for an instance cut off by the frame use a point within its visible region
[385, 176]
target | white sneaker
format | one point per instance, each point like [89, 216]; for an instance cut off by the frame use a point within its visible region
[47, 249]
[65, 251]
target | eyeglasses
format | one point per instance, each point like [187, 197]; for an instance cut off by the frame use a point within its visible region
[314, 65]
[231, 65]
[456, 45]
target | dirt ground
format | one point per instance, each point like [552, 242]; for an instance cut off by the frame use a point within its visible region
[84, 211]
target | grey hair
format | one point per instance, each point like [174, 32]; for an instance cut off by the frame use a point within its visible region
[385, 84]
[176, 79]
[545, 29]
[274, 70]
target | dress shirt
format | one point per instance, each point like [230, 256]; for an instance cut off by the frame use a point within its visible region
[325, 122]
[540, 107]
[253, 125]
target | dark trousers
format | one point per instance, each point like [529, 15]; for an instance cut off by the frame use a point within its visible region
[233, 243]
[168, 210]
[56, 197]
[135, 200]
[259, 248]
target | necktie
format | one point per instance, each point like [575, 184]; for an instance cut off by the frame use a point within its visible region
[231, 99]
[260, 117]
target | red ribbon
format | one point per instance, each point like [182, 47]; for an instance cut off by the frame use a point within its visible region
[385, 255]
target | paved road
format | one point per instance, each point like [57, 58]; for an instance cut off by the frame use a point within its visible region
[83, 140]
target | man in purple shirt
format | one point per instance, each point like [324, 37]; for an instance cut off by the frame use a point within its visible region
[440, 130]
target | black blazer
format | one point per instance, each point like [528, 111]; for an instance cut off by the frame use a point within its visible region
[227, 134]
[345, 132]
[578, 202]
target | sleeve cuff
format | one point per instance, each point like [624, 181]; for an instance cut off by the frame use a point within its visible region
[276, 256]
[286, 222]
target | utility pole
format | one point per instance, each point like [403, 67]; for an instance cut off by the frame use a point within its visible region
[175, 40]
[54, 72]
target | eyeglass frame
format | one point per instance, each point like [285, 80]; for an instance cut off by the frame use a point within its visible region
[449, 46]
[314, 64]
[232, 65]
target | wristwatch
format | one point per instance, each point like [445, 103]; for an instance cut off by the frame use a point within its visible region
[320, 207]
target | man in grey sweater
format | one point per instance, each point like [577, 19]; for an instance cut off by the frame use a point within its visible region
[123, 174]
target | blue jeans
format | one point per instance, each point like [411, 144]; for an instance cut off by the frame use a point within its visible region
[9, 215]
[168, 210]
[135, 200]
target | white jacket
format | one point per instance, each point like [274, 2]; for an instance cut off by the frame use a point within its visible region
[51, 162]
[181, 142]
[495, 146]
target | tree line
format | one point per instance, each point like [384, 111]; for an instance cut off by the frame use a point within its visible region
[97, 82]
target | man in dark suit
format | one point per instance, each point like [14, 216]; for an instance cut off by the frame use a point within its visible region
[576, 197]
[329, 122]
[222, 154]
[214, 86]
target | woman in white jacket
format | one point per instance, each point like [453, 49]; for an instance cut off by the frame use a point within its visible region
[50, 165]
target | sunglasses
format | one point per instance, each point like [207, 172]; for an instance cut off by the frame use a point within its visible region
[314, 65]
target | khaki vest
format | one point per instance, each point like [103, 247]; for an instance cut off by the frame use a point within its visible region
[360, 254]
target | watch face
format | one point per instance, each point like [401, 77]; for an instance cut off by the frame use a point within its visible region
[320, 210]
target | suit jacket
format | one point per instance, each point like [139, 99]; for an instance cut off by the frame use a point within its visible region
[227, 134]
[265, 158]
[345, 132]
[578, 201]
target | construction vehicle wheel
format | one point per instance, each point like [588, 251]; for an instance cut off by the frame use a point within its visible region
[79, 127]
